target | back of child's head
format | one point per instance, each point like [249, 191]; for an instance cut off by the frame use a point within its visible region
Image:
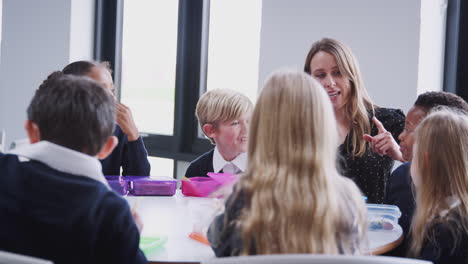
[74, 112]
[221, 105]
[429, 100]
[291, 184]
[292, 120]
[82, 68]
[439, 171]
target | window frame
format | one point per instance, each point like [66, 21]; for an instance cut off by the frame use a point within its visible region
[456, 53]
[184, 144]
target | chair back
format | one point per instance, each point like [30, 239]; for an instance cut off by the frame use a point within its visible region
[314, 259]
[12, 258]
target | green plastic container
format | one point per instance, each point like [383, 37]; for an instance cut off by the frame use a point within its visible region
[150, 244]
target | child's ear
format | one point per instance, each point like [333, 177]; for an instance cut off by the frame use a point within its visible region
[209, 130]
[108, 147]
[33, 132]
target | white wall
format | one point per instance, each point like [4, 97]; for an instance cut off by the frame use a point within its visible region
[36, 41]
[432, 45]
[81, 30]
[384, 35]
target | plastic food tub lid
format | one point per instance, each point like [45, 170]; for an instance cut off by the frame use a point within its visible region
[384, 209]
[150, 244]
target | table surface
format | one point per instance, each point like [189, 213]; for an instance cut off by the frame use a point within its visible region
[175, 217]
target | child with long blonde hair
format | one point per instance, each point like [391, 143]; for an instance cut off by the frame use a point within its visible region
[440, 174]
[291, 198]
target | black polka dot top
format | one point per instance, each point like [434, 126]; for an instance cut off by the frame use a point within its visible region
[370, 171]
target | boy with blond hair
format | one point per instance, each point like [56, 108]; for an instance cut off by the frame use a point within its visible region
[224, 117]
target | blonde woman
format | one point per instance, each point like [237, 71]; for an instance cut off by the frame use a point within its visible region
[333, 64]
[440, 174]
[291, 198]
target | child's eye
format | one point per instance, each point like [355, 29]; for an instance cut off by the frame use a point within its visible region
[235, 123]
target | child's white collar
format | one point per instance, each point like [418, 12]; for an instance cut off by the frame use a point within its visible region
[218, 161]
[452, 202]
[62, 159]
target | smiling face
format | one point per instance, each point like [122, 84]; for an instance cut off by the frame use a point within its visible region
[323, 68]
[414, 117]
[231, 137]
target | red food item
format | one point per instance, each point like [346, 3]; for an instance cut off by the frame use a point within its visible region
[199, 237]
[387, 226]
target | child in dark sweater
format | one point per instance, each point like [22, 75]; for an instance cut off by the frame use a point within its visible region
[130, 154]
[55, 202]
[224, 117]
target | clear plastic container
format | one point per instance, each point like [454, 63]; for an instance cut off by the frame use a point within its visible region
[382, 216]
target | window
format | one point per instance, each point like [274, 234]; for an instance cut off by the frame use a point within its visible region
[234, 66]
[154, 48]
[149, 47]
[455, 78]
[166, 53]
[161, 166]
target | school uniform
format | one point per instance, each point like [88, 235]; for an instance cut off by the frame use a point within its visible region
[213, 161]
[399, 192]
[55, 204]
[131, 156]
[224, 232]
[448, 242]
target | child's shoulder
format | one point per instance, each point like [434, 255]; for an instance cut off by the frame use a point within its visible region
[201, 165]
[205, 157]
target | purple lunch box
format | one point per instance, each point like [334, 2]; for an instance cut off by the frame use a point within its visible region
[118, 184]
[154, 186]
[142, 185]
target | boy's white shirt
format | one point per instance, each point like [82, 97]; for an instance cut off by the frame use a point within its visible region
[218, 161]
[62, 159]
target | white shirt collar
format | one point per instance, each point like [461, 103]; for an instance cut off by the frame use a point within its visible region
[62, 159]
[218, 161]
[452, 202]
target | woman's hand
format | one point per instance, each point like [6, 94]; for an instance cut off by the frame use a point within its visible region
[126, 123]
[383, 143]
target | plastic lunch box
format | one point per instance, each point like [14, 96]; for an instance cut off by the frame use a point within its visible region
[142, 185]
[382, 216]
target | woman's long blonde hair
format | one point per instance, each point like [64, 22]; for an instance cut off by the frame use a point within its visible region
[440, 172]
[359, 103]
[291, 187]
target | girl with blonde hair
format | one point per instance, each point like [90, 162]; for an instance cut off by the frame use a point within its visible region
[291, 198]
[333, 64]
[440, 174]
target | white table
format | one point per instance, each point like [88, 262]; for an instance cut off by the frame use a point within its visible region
[174, 217]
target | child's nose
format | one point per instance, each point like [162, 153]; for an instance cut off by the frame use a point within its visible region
[245, 126]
